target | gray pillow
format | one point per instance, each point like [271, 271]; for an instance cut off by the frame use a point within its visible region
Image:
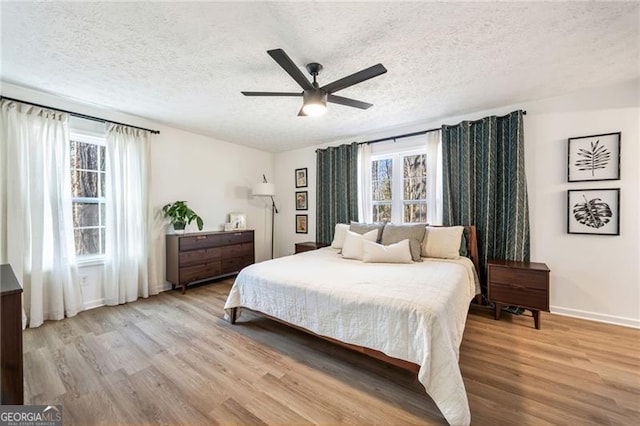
[363, 228]
[414, 233]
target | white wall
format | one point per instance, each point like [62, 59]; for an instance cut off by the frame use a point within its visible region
[594, 277]
[214, 176]
[284, 179]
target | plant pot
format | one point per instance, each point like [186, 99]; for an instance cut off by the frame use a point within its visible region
[178, 227]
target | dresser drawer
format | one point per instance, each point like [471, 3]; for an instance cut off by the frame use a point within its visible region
[193, 273]
[232, 265]
[200, 272]
[196, 257]
[513, 294]
[237, 237]
[200, 242]
[523, 277]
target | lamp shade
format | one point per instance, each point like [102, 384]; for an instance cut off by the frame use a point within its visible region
[264, 190]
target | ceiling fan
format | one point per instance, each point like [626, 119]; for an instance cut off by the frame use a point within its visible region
[314, 97]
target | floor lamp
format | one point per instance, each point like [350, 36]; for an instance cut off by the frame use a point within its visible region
[266, 189]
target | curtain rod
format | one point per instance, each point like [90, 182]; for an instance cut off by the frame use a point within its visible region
[77, 114]
[421, 132]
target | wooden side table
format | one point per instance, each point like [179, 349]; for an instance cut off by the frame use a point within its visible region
[308, 246]
[523, 284]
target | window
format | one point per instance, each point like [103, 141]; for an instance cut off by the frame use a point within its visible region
[399, 187]
[88, 178]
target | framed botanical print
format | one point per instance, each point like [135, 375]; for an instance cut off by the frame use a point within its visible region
[595, 157]
[301, 178]
[593, 211]
[301, 224]
[301, 200]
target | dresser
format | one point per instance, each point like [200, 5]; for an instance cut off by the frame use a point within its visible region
[523, 284]
[11, 338]
[206, 255]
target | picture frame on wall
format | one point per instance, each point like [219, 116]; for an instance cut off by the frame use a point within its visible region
[301, 200]
[301, 224]
[593, 211]
[595, 157]
[301, 178]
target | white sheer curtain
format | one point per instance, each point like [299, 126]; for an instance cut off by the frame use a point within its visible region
[365, 208]
[36, 228]
[129, 252]
[434, 178]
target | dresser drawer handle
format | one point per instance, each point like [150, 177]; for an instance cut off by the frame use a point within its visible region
[238, 233]
[201, 237]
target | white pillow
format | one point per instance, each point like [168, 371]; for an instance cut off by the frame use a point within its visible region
[442, 242]
[393, 253]
[339, 235]
[354, 242]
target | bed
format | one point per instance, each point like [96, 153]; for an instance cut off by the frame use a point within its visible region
[411, 315]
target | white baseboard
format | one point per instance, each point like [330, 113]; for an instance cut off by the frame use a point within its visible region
[594, 316]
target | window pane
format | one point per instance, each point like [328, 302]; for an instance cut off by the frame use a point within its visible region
[102, 240]
[381, 172]
[85, 214]
[84, 156]
[415, 177]
[84, 184]
[103, 182]
[382, 213]
[87, 241]
[415, 213]
[102, 158]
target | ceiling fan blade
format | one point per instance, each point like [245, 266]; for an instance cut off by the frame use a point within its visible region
[356, 78]
[271, 94]
[348, 102]
[287, 64]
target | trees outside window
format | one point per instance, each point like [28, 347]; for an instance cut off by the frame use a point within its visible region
[399, 187]
[88, 179]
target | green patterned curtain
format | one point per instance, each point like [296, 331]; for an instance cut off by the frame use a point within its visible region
[337, 189]
[484, 184]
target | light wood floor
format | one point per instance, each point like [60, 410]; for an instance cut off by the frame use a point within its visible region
[171, 359]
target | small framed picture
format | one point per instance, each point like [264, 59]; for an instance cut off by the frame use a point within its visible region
[301, 224]
[593, 211]
[301, 200]
[595, 157]
[301, 178]
[237, 221]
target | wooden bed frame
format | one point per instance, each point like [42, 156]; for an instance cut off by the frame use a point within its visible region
[472, 248]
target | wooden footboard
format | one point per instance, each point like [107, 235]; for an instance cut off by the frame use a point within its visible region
[406, 365]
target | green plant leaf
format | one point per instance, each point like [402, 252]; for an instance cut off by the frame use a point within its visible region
[179, 212]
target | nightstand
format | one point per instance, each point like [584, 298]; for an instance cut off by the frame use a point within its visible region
[523, 284]
[308, 246]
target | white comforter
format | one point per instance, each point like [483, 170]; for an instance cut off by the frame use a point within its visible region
[415, 312]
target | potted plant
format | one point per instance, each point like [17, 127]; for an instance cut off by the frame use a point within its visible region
[181, 215]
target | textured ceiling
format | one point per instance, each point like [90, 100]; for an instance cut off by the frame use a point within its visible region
[184, 64]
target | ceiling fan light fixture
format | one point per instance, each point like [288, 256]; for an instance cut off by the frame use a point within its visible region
[315, 103]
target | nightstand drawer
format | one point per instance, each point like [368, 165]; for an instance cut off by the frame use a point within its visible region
[523, 277]
[513, 294]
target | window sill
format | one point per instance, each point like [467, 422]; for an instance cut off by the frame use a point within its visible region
[90, 261]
